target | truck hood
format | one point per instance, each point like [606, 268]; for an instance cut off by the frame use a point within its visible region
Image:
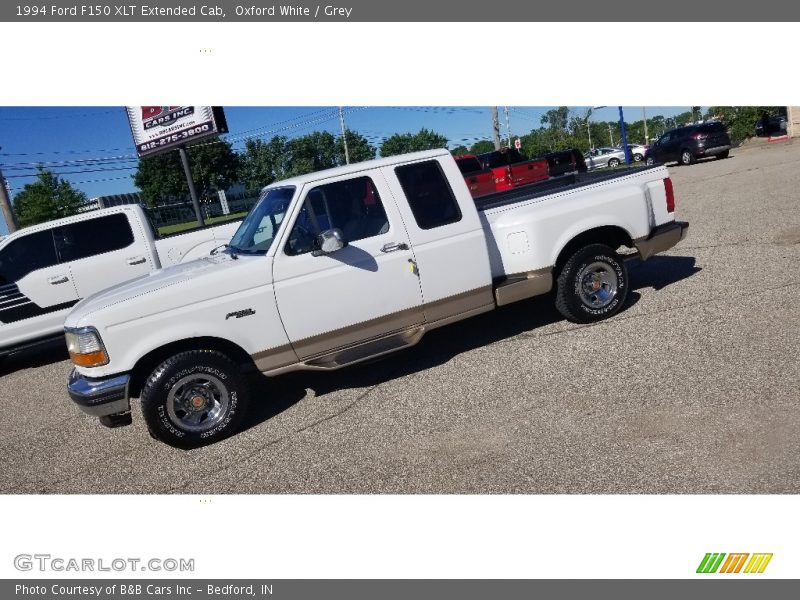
[197, 280]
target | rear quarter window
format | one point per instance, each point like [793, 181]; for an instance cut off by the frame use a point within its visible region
[429, 194]
[468, 165]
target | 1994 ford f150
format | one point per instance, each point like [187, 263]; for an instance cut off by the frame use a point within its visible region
[340, 266]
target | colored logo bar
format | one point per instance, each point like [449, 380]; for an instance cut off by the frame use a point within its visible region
[714, 562]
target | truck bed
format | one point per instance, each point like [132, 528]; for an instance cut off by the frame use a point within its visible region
[556, 184]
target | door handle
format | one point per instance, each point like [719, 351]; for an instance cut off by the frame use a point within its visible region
[394, 246]
[58, 279]
[137, 260]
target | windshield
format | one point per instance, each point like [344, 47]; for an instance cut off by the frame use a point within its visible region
[259, 228]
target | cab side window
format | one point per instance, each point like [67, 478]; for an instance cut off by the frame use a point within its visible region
[429, 194]
[352, 206]
[92, 237]
[27, 254]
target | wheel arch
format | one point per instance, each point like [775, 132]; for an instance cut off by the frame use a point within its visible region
[145, 365]
[611, 235]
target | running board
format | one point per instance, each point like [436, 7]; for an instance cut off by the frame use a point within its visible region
[366, 351]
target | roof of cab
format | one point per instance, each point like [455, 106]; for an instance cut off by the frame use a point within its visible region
[357, 167]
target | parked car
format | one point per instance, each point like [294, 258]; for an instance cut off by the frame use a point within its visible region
[480, 181]
[598, 158]
[345, 265]
[511, 169]
[775, 126]
[46, 269]
[566, 161]
[686, 144]
[637, 151]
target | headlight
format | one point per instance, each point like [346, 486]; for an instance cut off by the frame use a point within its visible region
[85, 347]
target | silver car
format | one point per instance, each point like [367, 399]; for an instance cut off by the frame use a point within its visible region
[604, 157]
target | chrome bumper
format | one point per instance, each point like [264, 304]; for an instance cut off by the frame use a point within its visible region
[100, 397]
[662, 238]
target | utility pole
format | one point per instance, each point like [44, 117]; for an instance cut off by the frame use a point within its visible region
[344, 135]
[644, 118]
[495, 128]
[5, 204]
[624, 137]
[610, 136]
[588, 128]
[192, 192]
[508, 128]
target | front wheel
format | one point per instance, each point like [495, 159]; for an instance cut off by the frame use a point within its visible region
[614, 162]
[194, 398]
[592, 284]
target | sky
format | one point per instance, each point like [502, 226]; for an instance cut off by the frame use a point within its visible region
[92, 147]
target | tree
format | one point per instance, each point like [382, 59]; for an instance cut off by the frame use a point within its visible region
[424, 139]
[312, 152]
[358, 148]
[214, 166]
[263, 162]
[459, 150]
[46, 199]
[481, 147]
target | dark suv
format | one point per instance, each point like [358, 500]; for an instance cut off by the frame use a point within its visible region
[686, 144]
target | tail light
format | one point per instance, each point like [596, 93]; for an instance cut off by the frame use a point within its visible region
[670, 195]
[699, 136]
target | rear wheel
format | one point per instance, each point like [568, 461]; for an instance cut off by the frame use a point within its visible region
[194, 398]
[649, 161]
[592, 285]
[637, 157]
[614, 162]
[723, 154]
[687, 158]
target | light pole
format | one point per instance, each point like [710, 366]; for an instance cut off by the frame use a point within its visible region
[644, 118]
[5, 205]
[588, 128]
[344, 135]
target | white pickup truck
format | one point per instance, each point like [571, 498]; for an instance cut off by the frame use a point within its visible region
[340, 266]
[47, 268]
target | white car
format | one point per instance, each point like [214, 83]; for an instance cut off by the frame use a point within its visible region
[604, 157]
[341, 266]
[46, 269]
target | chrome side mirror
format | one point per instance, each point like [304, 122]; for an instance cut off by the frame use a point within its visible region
[330, 241]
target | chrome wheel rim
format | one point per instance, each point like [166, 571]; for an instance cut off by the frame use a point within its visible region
[686, 158]
[197, 402]
[649, 161]
[613, 163]
[598, 285]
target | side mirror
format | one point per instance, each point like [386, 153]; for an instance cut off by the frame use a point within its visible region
[330, 241]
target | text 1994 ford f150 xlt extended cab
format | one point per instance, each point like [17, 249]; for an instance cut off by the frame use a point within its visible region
[340, 266]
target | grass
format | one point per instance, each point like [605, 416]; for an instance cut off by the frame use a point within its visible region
[178, 227]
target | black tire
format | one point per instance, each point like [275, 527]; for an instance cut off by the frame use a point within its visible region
[590, 265]
[194, 398]
[687, 158]
[722, 155]
[614, 162]
[649, 161]
[637, 157]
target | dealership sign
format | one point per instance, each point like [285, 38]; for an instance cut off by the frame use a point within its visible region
[159, 128]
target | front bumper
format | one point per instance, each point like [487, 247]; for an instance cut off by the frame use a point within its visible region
[100, 397]
[662, 238]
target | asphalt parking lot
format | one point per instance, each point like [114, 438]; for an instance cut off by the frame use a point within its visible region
[693, 388]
